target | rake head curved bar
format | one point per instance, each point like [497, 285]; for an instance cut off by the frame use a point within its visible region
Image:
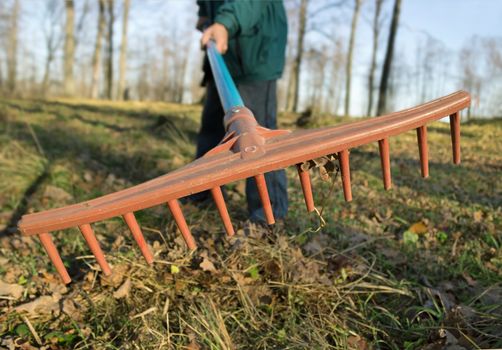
[247, 150]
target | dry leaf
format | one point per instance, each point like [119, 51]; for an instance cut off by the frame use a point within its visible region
[116, 278]
[206, 264]
[73, 309]
[418, 228]
[470, 281]
[42, 305]
[241, 279]
[193, 345]
[57, 194]
[356, 342]
[13, 290]
[123, 290]
[478, 216]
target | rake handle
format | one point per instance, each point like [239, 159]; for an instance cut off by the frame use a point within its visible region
[227, 90]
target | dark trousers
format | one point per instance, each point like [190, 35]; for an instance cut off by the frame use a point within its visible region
[261, 98]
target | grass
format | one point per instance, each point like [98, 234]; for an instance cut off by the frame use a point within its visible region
[417, 267]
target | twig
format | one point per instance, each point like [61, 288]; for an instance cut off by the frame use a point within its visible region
[166, 314]
[32, 330]
[144, 313]
[35, 138]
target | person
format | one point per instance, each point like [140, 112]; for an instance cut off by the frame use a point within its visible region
[252, 37]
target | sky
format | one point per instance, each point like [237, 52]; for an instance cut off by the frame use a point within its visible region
[452, 22]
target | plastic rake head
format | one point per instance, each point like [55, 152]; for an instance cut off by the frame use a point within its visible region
[247, 151]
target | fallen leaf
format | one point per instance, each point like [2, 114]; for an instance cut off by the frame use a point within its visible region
[13, 290]
[241, 279]
[42, 305]
[73, 309]
[57, 194]
[317, 244]
[123, 290]
[193, 345]
[119, 241]
[418, 228]
[116, 278]
[478, 216]
[470, 281]
[356, 342]
[206, 264]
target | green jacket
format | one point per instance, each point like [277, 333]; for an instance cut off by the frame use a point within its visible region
[257, 36]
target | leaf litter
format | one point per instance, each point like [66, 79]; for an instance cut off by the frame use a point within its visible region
[353, 284]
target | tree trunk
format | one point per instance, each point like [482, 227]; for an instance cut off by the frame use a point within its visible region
[382, 94]
[109, 58]
[348, 70]
[123, 52]
[12, 46]
[376, 33]
[294, 83]
[180, 89]
[47, 70]
[69, 48]
[96, 57]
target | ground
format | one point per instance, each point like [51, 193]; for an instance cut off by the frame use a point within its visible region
[416, 267]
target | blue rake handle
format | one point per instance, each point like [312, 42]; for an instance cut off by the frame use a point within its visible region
[229, 95]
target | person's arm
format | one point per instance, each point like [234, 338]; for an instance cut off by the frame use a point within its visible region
[240, 16]
[232, 18]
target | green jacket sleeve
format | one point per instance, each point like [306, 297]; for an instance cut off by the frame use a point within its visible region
[240, 16]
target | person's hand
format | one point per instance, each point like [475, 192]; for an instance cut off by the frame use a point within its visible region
[201, 23]
[219, 34]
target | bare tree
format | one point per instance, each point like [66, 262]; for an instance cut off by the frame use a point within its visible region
[12, 46]
[109, 43]
[336, 81]
[348, 77]
[161, 86]
[123, 51]
[388, 58]
[96, 57]
[316, 59]
[69, 48]
[53, 39]
[471, 78]
[294, 89]
[376, 33]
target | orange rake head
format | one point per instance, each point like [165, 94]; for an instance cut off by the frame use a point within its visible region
[247, 150]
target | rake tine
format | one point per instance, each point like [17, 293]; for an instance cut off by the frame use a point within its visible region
[93, 244]
[222, 209]
[306, 188]
[51, 250]
[345, 170]
[138, 236]
[423, 150]
[265, 199]
[383, 146]
[175, 209]
[455, 136]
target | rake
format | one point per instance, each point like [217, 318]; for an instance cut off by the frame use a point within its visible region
[247, 150]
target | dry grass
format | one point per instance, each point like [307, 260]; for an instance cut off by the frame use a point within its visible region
[365, 279]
